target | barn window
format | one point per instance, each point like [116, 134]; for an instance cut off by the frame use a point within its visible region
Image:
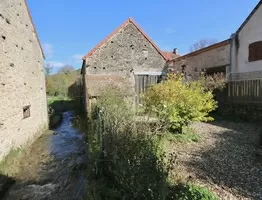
[255, 51]
[26, 112]
[183, 69]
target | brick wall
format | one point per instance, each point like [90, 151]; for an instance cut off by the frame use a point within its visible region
[22, 80]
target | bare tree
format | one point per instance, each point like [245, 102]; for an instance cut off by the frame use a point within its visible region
[48, 69]
[202, 44]
[66, 69]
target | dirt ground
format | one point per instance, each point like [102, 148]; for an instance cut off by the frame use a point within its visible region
[225, 160]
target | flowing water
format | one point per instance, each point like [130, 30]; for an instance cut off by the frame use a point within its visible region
[54, 166]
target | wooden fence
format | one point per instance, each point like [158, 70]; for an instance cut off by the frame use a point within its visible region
[245, 91]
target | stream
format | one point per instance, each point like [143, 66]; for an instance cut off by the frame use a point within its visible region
[54, 166]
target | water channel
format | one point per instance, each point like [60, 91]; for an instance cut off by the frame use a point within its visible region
[54, 166]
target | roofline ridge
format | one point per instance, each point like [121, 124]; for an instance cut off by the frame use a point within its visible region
[129, 20]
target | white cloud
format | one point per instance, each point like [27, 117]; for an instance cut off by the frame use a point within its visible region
[77, 58]
[170, 30]
[48, 50]
[56, 64]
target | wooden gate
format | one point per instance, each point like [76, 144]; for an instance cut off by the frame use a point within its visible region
[143, 81]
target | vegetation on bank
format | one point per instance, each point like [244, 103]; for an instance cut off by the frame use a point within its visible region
[52, 99]
[8, 165]
[128, 159]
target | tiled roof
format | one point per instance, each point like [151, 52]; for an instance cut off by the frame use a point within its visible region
[170, 55]
[130, 20]
[34, 29]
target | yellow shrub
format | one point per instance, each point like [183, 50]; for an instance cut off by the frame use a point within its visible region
[177, 103]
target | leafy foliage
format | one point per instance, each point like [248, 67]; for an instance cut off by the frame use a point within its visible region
[179, 103]
[59, 84]
[131, 166]
[66, 69]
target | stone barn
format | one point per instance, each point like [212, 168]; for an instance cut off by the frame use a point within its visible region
[23, 104]
[127, 58]
[212, 59]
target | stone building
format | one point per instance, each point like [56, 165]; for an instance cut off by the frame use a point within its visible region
[214, 58]
[246, 48]
[23, 105]
[127, 58]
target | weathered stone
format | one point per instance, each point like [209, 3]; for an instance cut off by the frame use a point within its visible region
[125, 52]
[212, 57]
[15, 70]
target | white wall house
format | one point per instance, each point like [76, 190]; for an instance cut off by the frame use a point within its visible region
[246, 48]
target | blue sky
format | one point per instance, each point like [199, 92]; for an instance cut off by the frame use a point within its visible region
[68, 29]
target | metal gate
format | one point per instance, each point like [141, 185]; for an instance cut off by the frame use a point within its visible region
[143, 81]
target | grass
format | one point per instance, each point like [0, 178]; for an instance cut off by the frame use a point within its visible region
[187, 136]
[7, 165]
[190, 191]
[52, 99]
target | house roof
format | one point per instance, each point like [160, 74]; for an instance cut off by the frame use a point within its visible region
[249, 16]
[211, 47]
[30, 16]
[170, 55]
[129, 20]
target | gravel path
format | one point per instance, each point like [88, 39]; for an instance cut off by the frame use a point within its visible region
[225, 160]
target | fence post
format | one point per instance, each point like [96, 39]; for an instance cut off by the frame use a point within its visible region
[101, 137]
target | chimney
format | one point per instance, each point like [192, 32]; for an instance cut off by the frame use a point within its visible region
[175, 51]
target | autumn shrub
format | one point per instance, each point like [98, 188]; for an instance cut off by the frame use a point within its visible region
[212, 82]
[177, 103]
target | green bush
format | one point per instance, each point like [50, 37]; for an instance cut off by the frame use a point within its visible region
[130, 167]
[177, 103]
[190, 192]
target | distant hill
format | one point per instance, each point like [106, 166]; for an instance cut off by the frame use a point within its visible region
[58, 84]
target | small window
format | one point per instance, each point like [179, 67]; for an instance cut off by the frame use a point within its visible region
[26, 112]
[255, 51]
[183, 69]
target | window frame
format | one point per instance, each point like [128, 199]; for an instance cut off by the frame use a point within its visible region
[255, 51]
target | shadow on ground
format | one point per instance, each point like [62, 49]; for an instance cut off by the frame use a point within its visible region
[231, 160]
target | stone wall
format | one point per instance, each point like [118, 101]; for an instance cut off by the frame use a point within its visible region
[124, 54]
[212, 57]
[127, 51]
[22, 80]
